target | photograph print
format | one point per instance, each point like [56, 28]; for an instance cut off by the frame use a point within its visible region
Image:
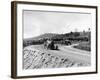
[55, 39]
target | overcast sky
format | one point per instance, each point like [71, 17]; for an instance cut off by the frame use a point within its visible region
[39, 22]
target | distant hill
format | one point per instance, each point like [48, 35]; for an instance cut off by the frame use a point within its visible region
[59, 36]
[46, 35]
[72, 36]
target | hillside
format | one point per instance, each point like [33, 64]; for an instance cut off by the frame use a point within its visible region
[42, 36]
[46, 35]
[60, 36]
[73, 37]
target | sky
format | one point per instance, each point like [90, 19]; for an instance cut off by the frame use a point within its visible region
[36, 23]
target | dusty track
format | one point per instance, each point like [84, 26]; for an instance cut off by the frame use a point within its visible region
[68, 52]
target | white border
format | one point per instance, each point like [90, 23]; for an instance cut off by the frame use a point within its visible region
[21, 72]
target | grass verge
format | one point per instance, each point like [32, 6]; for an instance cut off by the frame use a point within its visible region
[83, 46]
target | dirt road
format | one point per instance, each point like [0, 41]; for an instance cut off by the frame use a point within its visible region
[76, 54]
[69, 52]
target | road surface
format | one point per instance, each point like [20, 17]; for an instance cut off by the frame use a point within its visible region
[69, 52]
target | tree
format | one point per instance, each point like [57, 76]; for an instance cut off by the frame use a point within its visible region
[76, 34]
